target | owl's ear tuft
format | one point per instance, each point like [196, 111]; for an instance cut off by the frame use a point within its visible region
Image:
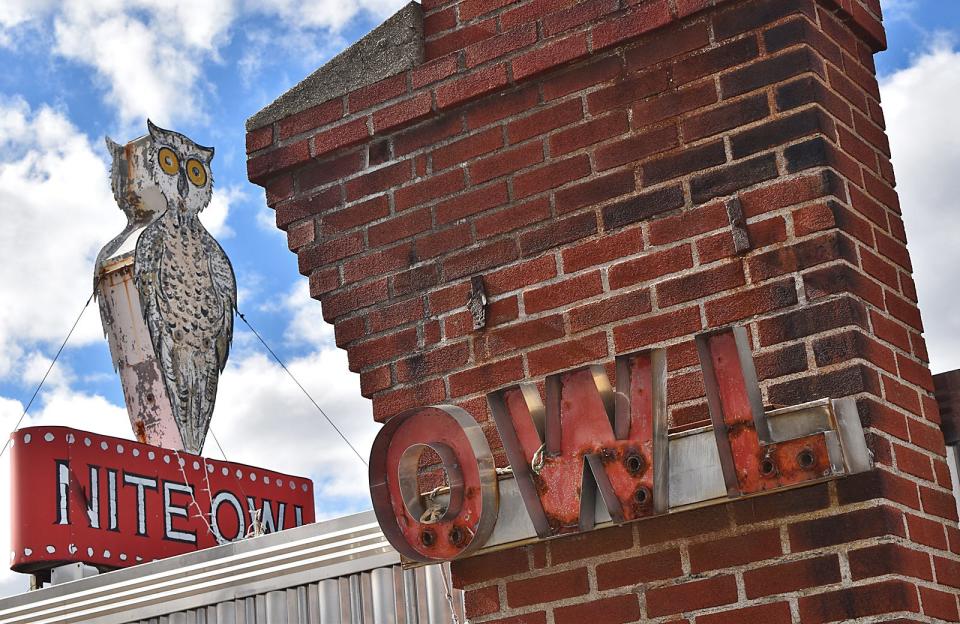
[207, 152]
[154, 129]
[112, 146]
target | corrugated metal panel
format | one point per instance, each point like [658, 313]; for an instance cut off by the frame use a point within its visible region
[337, 571]
[424, 597]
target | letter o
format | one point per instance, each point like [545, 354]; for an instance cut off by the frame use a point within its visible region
[470, 511]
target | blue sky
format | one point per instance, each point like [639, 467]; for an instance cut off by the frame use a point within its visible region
[76, 71]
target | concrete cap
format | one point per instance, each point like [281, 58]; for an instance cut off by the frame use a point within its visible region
[392, 47]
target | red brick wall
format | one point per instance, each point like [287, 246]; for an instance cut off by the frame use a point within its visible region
[578, 156]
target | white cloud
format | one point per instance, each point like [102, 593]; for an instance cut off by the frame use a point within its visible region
[919, 103]
[214, 216]
[323, 14]
[57, 211]
[149, 53]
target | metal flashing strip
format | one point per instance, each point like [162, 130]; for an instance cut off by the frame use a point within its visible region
[300, 556]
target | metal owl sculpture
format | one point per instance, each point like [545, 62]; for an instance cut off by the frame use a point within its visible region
[171, 350]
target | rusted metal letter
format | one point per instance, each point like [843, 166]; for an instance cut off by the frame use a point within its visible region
[751, 457]
[450, 521]
[589, 436]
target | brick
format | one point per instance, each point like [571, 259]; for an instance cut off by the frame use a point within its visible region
[547, 588]
[481, 601]
[716, 59]
[731, 115]
[848, 527]
[613, 610]
[567, 354]
[501, 105]
[383, 349]
[397, 228]
[732, 178]
[769, 71]
[735, 551]
[378, 263]
[651, 266]
[459, 38]
[927, 532]
[594, 131]
[813, 319]
[937, 503]
[645, 568]
[544, 120]
[938, 604]
[627, 91]
[429, 189]
[841, 382]
[396, 314]
[667, 44]
[789, 577]
[592, 544]
[700, 284]
[259, 168]
[516, 336]
[810, 90]
[479, 258]
[470, 86]
[673, 103]
[609, 310]
[594, 191]
[781, 130]
[549, 56]
[378, 92]
[562, 292]
[752, 302]
[878, 484]
[554, 174]
[513, 217]
[434, 70]
[500, 45]
[319, 173]
[471, 202]
[582, 77]
[691, 596]
[784, 361]
[948, 571]
[654, 329]
[772, 613]
[557, 233]
[416, 279]
[781, 504]
[378, 180]
[328, 252]
[889, 558]
[855, 602]
[347, 300]
[402, 113]
[577, 15]
[505, 162]
[489, 566]
[259, 139]
[313, 117]
[642, 19]
[689, 223]
[486, 377]
[741, 18]
[466, 149]
[602, 250]
[349, 133]
[436, 362]
[297, 209]
[642, 207]
[684, 162]
[636, 147]
[840, 347]
[520, 275]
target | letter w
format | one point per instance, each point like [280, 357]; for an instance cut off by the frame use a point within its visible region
[588, 438]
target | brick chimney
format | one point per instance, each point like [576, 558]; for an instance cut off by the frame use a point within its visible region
[622, 175]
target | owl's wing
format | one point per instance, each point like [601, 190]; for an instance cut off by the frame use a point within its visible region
[225, 284]
[146, 276]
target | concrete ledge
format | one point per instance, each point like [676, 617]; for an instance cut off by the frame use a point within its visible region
[390, 48]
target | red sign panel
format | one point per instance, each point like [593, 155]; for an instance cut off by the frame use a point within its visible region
[109, 502]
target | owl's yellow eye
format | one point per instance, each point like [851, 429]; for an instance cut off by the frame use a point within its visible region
[196, 172]
[168, 160]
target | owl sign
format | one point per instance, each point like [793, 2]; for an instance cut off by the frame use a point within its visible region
[111, 503]
[166, 289]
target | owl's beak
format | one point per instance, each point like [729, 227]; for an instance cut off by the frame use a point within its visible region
[182, 186]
